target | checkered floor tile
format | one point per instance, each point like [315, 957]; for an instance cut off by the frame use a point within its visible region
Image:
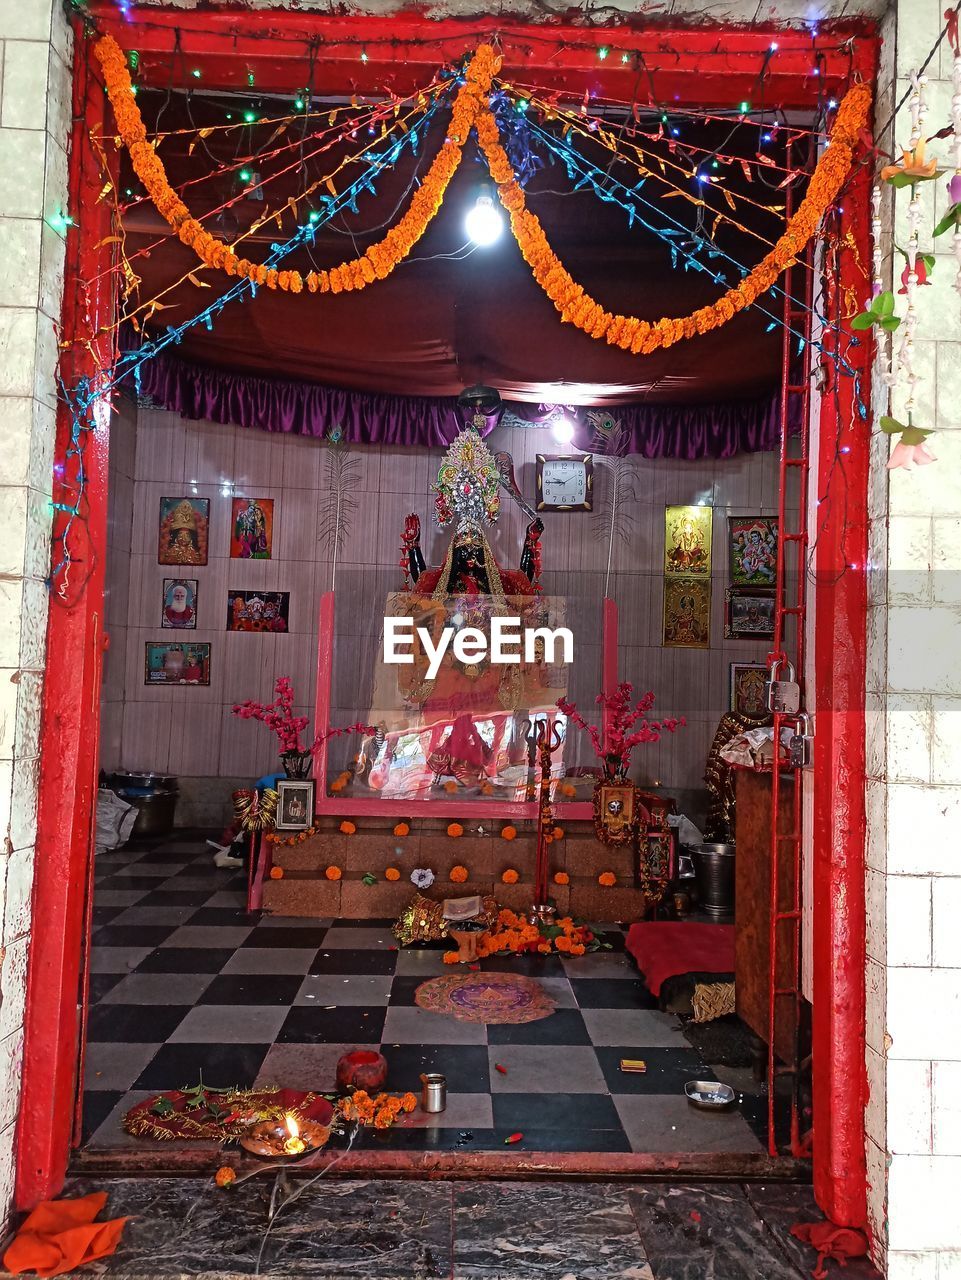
[185, 983]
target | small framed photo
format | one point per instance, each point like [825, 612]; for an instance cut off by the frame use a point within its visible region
[180, 663]
[748, 696]
[656, 859]
[295, 804]
[184, 526]
[615, 812]
[752, 544]
[748, 615]
[179, 604]
[251, 528]
[258, 610]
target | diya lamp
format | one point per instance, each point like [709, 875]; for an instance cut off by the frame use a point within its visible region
[289, 1137]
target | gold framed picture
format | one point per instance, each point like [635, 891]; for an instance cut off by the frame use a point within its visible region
[687, 541]
[687, 613]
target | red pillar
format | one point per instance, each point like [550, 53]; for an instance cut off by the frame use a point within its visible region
[840, 1085]
[70, 728]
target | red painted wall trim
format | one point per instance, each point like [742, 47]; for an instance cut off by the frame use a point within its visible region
[70, 726]
[840, 647]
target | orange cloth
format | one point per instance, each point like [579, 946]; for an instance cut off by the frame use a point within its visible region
[60, 1235]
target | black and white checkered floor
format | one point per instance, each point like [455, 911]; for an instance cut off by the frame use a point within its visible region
[184, 982]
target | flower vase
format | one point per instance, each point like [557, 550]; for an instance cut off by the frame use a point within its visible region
[297, 764]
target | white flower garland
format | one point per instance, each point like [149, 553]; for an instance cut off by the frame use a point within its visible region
[918, 109]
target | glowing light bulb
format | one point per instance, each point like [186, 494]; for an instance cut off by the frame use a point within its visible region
[522, 105]
[603, 51]
[563, 430]
[250, 116]
[484, 222]
[363, 56]
[196, 73]
[245, 175]
[744, 108]
[625, 57]
[773, 46]
[299, 104]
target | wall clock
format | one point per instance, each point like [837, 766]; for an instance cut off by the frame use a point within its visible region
[565, 483]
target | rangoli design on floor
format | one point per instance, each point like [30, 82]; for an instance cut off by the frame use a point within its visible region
[493, 998]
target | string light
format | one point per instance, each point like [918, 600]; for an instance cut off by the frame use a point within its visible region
[603, 51]
[196, 73]
[299, 104]
[363, 55]
[744, 108]
[250, 116]
[61, 221]
[522, 105]
[250, 79]
[245, 176]
[625, 57]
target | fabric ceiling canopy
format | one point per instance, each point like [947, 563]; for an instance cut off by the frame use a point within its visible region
[441, 323]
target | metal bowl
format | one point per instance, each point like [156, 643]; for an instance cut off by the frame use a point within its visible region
[709, 1095]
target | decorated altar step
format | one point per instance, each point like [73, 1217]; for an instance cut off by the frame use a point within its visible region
[312, 895]
[375, 848]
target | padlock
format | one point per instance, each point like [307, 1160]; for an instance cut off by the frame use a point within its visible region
[783, 696]
[801, 744]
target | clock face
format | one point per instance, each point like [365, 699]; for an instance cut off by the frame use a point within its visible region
[564, 483]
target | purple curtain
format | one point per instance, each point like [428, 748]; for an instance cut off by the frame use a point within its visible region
[688, 432]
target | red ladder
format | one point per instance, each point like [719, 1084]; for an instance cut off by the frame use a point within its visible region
[784, 1003]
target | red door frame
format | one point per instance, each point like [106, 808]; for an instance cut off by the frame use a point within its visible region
[689, 72]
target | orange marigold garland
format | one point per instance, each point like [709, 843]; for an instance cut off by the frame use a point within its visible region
[471, 109]
[641, 336]
[512, 932]
[376, 263]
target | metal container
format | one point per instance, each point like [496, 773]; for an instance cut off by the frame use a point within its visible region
[714, 868]
[153, 795]
[434, 1094]
[709, 1095]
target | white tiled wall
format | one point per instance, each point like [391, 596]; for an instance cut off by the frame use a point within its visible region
[34, 121]
[191, 732]
[914, 755]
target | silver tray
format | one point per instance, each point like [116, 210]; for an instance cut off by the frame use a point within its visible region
[709, 1095]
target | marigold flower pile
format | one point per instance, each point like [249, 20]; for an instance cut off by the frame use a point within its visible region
[512, 933]
[380, 1111]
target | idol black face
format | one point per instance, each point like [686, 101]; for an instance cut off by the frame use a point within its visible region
[468, 562]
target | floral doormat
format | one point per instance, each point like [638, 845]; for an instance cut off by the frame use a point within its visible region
[494, 998]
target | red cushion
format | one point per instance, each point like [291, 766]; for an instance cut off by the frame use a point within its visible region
[664, 950]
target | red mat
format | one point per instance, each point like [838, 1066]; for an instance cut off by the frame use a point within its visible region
[666, 950]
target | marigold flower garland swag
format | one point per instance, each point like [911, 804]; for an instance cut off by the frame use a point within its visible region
[471, 109]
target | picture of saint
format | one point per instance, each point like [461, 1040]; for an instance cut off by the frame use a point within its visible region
[687, 548]
[753, 550]
[183, 530]
[180, 604]
[181, 664]
[295, 804]
[252, 525]
[687, 613]
[258, 611]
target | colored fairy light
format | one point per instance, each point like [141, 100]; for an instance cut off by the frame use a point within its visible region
[245, 175]
[773, 46]
[714, 164]
[363, 56]
[313, 216]
[832, 103]
[522, 105]
[765, 137]
[845, 448]
[250, 79]
[61, 221]
[676, 132]
[603, 51]
[133, 59]
[250, 116]
[196, 73]
[744, 108]
[625, 57]
[299, 104]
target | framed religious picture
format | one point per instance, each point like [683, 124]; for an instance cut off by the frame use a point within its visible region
[615, 811]
[184, 523]
[748, 697]
[295, 804]
[687, 613]
[687, 541]
[179, 662]
[752, 546]
[258, 611]
[564, 482]
[655, 862]
[251, 528]
[748, 615]
[179, 609]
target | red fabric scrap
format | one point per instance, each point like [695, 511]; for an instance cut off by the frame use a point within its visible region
[834, 1243]
[664, 949]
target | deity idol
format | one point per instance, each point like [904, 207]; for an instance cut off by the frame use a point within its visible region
[468, 712]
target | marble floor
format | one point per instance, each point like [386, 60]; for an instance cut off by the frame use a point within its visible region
[388, 1230]
[184, 982]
